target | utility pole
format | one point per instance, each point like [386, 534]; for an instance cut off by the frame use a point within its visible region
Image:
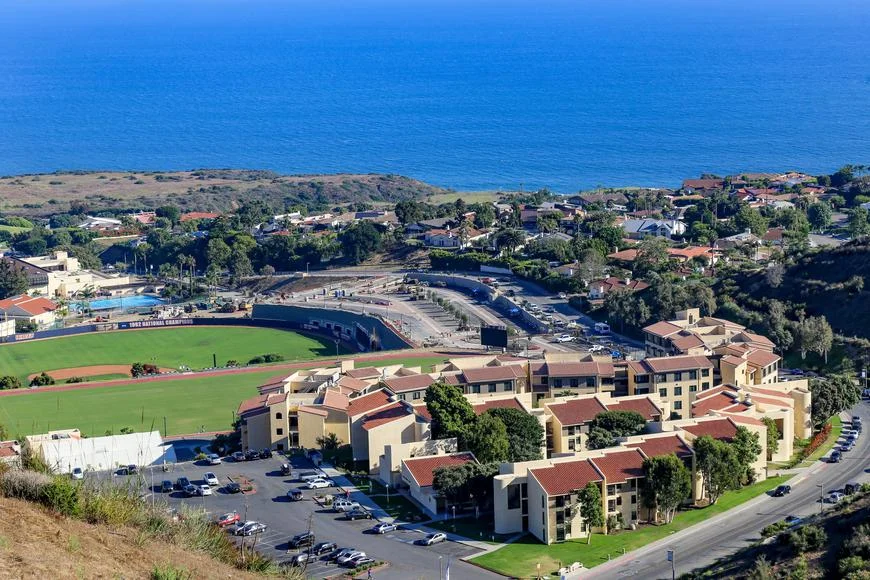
[821, 498]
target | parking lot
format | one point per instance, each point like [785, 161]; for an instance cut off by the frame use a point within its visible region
[269, 504]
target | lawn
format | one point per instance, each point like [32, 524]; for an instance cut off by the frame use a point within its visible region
[398, 507]
[520, 559]
[472, 528]
[169, 348]
[187, 405]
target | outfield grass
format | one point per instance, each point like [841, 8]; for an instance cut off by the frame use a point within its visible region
[170, 348]
[520, 559]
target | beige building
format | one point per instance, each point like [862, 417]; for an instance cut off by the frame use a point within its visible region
[418, 475]
[676, 380]
[565, 374]
[60, 275]
[692, 334]
[390, 463]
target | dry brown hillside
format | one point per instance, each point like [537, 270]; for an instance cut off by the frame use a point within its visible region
[36, 544]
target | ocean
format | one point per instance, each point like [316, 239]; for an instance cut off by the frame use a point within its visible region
[470, 95]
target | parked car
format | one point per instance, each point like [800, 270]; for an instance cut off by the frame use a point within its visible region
[344, 505]
[238, 456]
[203, 490]
[285, 469]
[847, 446]
[266, 453]
[294, 494]
[228, 519]
[834, 497]
[358, 514]
[836, 456]
[432, 538]
[166, 486]
[383, 528]
[210, 478]
[191, 490]
[342, 560]
[307, 476]
[214, 459]
[301, 559]
[565, 338]
[782, 490]
[181, 483]
[77, 473]
[339, 553]
[250, 528]
[252, 455]
[323, 548]
[320, 483]
[232, 487]
[563, 296]
[300, 540]
[792, 521]
[358, 561]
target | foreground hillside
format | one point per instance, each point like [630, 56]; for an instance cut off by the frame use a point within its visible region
[218, 190]
[37, 544]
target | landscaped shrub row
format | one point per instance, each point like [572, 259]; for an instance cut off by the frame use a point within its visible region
[817, 441]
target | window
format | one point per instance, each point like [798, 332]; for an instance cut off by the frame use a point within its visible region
[663, 393]
[705, 372]
[661, 378]
[572, 444]
[544, 379]
[557, 383]
[402, 397]
[475, 389]
[514, 498]
[693, 375]
[678, 376]
[633, 516]
[279, 431]
[491, 387]
[693, 388]
[416, 395]
[278, 416]
[678, 391]
[508, 386]
[678, 404]
[641, 379]
[705, 386]
[611, 506]
[611, 490]
[633, 498]
[280, 447]
[619, 500]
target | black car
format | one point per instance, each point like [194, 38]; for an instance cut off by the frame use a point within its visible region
[166, 486]
[232, 487]
[782, 490]
[300, 540]
[181, 483]
[836, 456]
[252, 455]
[323, 548]
[358, 514]
[265, 453]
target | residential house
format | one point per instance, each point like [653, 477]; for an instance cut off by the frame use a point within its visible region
[638, 229]
[459, 238]
[10, 453]
[34, 310]
[599, 289]
[703, 186]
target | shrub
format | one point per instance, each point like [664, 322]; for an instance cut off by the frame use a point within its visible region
[817, 441]
[773, 529]
[75, 380]
[169, 572]
[9, 382]
[41, 380]
[63, 496]
[807, 538]
[852, 564]
[23, 484]
[232, 363]
[265, 358]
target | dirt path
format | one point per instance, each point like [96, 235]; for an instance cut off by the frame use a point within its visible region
[277, 368]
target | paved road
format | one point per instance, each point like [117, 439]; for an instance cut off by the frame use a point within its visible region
[703, 544]
[286, 518]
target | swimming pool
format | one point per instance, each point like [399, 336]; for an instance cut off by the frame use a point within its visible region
[121, 303]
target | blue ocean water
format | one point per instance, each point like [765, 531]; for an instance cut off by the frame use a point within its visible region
[474, 94]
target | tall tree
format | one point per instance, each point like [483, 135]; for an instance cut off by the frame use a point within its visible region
[509, 239]
[748, 218]
[814, 334]
[591, 509]
[525, 434]
[667, 484]
[360, 241]
[652, 256]
[450, 411]
[218, 252]
[859, 224]
[487, 439]
[773, 436]
[832, 395]
[606, 426]
[747, 447]
[718, 464]
[819, 215]
[13, 280]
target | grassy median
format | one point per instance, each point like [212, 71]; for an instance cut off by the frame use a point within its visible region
[521, 558]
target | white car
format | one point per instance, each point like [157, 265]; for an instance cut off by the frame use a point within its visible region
[203, 490]
[342, 560]
[835, 497]
[214, 459]
[77, 473]
[344, 505]
[596, 348]
[211, 479]
[319, 483]
[563, 296]
[564, 338]
[433, 538]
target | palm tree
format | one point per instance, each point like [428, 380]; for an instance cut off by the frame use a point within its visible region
[87, 294]
[509, 239]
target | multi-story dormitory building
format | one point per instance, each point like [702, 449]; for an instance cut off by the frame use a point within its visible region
[717, 377]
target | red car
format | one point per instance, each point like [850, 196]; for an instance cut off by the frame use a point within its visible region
[228, 519]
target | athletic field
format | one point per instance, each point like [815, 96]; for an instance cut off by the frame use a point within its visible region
[166, 347]
[188, 404]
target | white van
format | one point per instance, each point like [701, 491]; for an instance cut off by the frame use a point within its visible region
[602, 328]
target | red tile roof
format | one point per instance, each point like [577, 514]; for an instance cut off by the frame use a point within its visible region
[484, 374]
[313, 410]
[385, 415]
[723, 429]
[656, 446]
[620, 466]
[563, 478]
[715, 402]
[578, 369]
[511, 403]
[335, 400]
[669, 364]
[662, 328]
[422, 468]
[368, 403]
[352, 384]
[364, 373]
[198, 215]
[644, 406]
[409, 383]
[577, 411]
[32, 305]
[762, 358]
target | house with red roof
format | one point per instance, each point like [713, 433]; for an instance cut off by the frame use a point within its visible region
[34, 310]
[418, 474]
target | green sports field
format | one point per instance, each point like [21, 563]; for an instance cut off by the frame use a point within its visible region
[188, 404]
[169, 348]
